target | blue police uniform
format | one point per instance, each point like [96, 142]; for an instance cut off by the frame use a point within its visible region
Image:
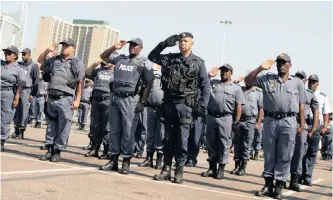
[39, 102]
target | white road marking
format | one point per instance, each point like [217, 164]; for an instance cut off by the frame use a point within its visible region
[134, 177]
[290, 192]
[40, 171]
[38, 145]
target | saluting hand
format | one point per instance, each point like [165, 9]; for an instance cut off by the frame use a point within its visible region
[267, 64]
[213, 72]
[53, 47]
[119, 44]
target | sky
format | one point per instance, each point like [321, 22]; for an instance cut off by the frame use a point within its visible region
[259, 31]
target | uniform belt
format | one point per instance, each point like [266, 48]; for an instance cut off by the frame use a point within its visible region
[279, 115]
[40, 95]
[56, 97]
[246, 118]
[101, 98]
[123, 94]
[218, 114]
[8, 88]
[84, 101]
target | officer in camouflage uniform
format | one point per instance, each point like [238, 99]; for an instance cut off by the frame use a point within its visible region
[284, 97]
[126, 101]
[182, 75]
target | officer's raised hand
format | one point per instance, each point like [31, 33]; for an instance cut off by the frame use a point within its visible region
[267, 64]
[171, 41]
[139, 108]
[53, 47]
[213, 72]
[119, 44]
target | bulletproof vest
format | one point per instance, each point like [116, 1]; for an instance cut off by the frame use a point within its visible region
[27, 73]
[181, 78]
[127, 75]
[64, 76]
[103, 80]
[156, 94]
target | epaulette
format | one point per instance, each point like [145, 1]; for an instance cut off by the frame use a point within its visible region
[258, 89]
[292, 75]
[323, 94]
[310, 91]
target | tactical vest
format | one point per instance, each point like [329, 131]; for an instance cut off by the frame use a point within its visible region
[64, 78]
[127, 75]
[180, 78]
[27, 73]
[103, 80]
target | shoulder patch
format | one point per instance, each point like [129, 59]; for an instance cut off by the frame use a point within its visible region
[258, 89]
[310, 91]
[323, 94]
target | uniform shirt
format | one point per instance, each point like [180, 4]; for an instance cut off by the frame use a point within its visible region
[223, 97]
[312, 103]
[324, 105]
[147, 73]
[33, 76]
[86, 94]
[330, 127]
[11, 75]
[164, 61]
[253, 101]
[42, 87]
[279, 96]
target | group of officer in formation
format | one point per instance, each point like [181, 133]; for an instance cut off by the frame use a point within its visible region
[168, 101]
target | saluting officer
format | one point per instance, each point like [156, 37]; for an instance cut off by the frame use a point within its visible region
[283, 97]
[65, 74]
[226, 99]
[182, 75]
[126, 101]
[12, 77]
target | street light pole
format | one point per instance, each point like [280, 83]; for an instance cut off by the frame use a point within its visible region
[225, 37]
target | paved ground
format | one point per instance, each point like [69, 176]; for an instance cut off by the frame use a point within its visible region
[23, 176]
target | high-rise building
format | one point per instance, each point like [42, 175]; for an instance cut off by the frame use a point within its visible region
[91, 36]
[12, 28]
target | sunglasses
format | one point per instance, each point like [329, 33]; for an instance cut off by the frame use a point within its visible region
[8, 53]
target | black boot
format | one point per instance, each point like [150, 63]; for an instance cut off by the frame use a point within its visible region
[2, 145]
[105, 152]
[89, 146]
[48, 154]
[83, 127]
[190, 163]
[43, 147]
[278, 190]
[237, 164]
[251, 155]
[267, 190]
[56, 156]
[112, 165]
[138, 155]
[38, 125]
[241, 171]
[159, 159]
[294, 183]
[94, 151]
[16, 133]
[21, 134]
[148, 162]
[220, 172]
[125, 166]
[179, 175]
[212, 168]
[165, 174]
[256, 155]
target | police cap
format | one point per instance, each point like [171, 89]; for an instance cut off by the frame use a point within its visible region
[26, 50]
[68, 41]
[186, 35]
[314, 77]
[136, 41]
[283, 56]
[12, 49]
[226, 66]
[301, 74]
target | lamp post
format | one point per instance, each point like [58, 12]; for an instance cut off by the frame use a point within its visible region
[225, 36]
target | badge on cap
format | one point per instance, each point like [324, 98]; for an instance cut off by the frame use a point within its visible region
[313, 76]
[281, 55]
[300, 72]
[183, 34]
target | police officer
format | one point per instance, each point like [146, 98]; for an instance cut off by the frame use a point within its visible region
[30, 89]
[65, 74]
[126, 101]
[155, 127]
[324, 109]
[139, 127]
[12, 77]
[283, 97]
[226, 100]
[101, 98]
[40, 99]
[84, 104]
[310, 127]
[249, 121]
[31, 116]
[182, 75]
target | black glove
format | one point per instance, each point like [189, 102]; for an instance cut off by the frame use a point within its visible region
[139, 108]
[235, 127]
[171, 41]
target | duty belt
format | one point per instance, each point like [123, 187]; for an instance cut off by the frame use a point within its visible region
[279, 115]
[101, 98]
[6, 88]
[57, 97]
[246, 118]
[39, 95]
[218, 114]
[123, 94]
[84, 101]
